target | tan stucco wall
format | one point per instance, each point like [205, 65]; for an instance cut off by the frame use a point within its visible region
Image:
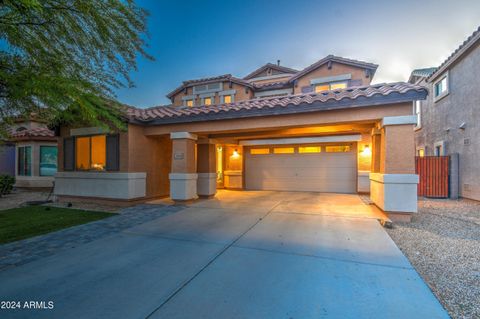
[151, 155]
[337, 69]
[273, 80]
[398, 150]
[364, 161]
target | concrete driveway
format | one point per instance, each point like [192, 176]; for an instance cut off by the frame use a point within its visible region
[241, 255]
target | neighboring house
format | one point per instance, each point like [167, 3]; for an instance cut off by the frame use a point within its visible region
[35, 155]
[448, 120]
[324, 128]
[7, 158]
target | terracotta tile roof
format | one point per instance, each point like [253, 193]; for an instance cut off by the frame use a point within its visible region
[282, 69]
[34, 133]
[224, 77]
[420, 73]
[343, 98]
[467, 44]
[333, 58]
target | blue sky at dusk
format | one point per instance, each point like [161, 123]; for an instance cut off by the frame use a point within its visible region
[194, 39]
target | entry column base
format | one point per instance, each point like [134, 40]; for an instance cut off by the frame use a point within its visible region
[183, 186]
[394, 192]
[207, 184]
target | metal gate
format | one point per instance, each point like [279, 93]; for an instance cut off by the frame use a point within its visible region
[433, 172]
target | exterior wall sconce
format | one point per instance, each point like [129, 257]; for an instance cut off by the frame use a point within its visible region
[366, 151]
[235, 154]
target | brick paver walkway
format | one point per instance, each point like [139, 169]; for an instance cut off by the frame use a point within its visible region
[27, 250]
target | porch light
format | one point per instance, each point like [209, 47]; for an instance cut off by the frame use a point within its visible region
[235, 154]
[366, 151]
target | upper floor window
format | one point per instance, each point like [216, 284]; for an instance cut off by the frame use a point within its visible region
[417, 108]
[189, 103]
[207, 101]
[24, 161]
[91, 153]
[330, 86]
[227, 99]
[210, 87]
[441, 87]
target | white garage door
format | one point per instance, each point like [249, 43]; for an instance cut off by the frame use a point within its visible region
[318, 168]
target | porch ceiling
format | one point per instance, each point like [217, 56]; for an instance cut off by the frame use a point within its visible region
[325, 130]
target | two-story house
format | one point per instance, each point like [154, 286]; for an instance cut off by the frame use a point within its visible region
[324, 128]
[448, 120]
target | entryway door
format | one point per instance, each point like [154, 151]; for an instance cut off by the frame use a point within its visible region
[317, 168]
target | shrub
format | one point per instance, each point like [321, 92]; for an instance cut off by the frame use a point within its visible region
[6, 184]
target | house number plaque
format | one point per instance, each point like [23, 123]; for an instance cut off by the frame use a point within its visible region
[178, 156]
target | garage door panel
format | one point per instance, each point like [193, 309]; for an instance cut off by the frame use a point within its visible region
[292, 172]
[320, 172]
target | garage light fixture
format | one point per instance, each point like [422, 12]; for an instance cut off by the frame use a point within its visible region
[366, 151]
[235, 154]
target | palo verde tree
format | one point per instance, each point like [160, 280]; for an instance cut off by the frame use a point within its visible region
[67, 57]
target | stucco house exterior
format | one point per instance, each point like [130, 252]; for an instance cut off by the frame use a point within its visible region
[449, 118]
[35, 153]
[324, 128]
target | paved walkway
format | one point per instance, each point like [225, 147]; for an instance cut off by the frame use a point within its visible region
[28, 250]
[239, 256]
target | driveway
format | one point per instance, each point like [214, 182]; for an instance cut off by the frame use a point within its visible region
[241, 255]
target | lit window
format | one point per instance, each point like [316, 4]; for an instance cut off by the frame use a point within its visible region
[207, 101]
[309, 149]
[189, 103]
[338, 85]
[48, 160]
[259, 151]
[322, 87]
[283, 150]
[25, 161]
[337, 149]
[441, 87]
[330, 86]
[421, 152]
[227, 99]
[91, 153]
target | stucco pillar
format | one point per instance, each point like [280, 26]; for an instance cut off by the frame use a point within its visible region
[393, 187]
[183, 176]
[206, 168]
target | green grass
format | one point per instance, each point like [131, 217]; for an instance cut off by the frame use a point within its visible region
[25, 222]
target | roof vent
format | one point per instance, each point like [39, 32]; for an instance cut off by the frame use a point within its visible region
[278, 62]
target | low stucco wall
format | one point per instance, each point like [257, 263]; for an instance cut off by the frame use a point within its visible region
[101, 184]
[394, 192]
[34, 181]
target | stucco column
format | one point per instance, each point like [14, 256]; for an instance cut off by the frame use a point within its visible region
[183, 177]
[206, 168]
[393, 187]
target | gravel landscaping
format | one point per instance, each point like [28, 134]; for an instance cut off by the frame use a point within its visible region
[443, 244]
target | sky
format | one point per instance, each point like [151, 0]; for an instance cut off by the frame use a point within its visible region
[195, 39]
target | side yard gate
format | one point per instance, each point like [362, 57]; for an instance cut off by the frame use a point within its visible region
[433, 173]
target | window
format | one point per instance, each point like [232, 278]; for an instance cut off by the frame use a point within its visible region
[338, 85]
[439, 148]
[309, 149]
[189, 103]
[330, 86]
[25, 161]
[441, 88]
[417, 110]
[91, 153]
[322, 87]
[259, 151]
[227, 99]
[207, 101]
[337, 148]
[48, 160]
[283, 150]
[421, 152]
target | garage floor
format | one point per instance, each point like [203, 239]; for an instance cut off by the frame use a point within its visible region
[241, 255]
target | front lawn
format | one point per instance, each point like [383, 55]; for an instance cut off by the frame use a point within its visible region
[24, 222]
